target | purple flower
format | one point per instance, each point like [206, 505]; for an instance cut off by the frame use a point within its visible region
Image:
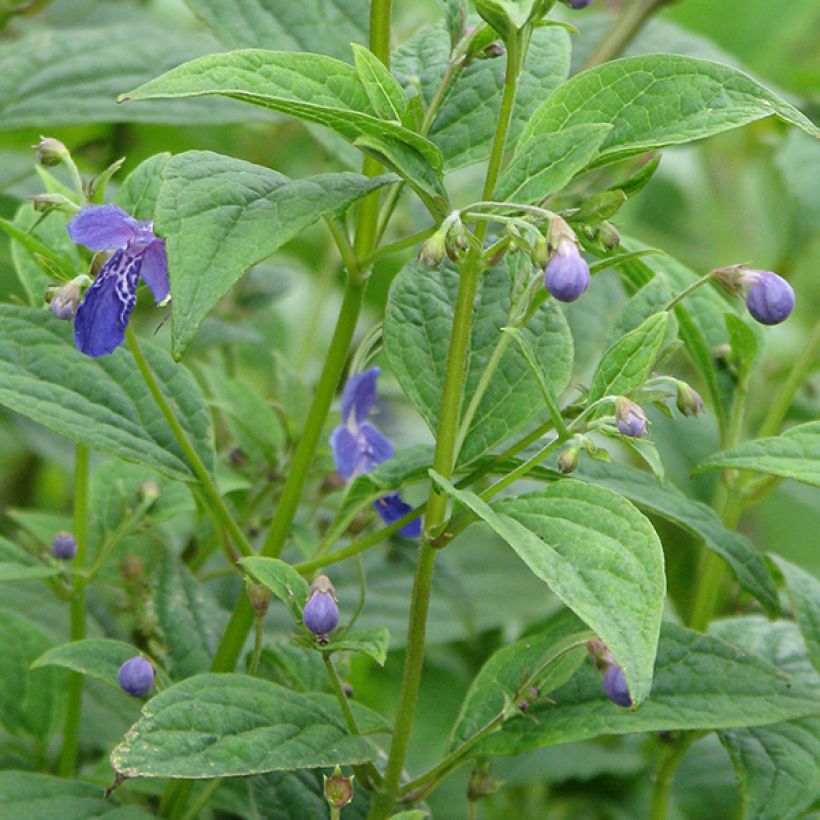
[391, 508]
[578, 4]
[631, 418]
[614, 686]
[567, 274]
[103, 315]
[770, 299]
[321, 612]
[64, 546]
[357, 445]
[136, 677]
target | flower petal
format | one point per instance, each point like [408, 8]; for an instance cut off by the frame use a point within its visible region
[391, 508]
[359, 394]
[346, 451]
[102, 228]
[103, 315]
[154, 270]
[375, 447]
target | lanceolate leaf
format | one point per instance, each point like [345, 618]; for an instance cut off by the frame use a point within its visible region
[658, 100]
[383, 90]
[793, 454]
[311, 87]
[230, 726]
[804, 593]
[98, 402]
[598, 554]
[700, 682]
[222, 215]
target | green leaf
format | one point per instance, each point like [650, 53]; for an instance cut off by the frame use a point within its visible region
[139, 191]
[98, 402]
[505, 16]
[646, 302]
[804, 593]
[793, 454]
[308, 86]
[628, 363]
[233, 725]
[598, 554]
[329, 26]
[700, 683]
[659, 100]
[10, 571]
[547, 162]
[637, 182]
[545, 659]
[98, 658]
[72, 76]
[465, 123]
[371, 642]
[222, 215]
[46, 797]
[281, 579]
[743, 342]
[416, 336]
[382, 88]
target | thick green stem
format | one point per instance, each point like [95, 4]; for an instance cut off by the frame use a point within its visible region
[668, 761]
[219, 508]
[74, 705]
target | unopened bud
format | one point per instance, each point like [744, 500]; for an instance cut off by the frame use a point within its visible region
[51, 151]
[433, 250]
[148, 492]
[259, 596]
[492, 51]
[338, 789]
[615, 688]
[66, 299]
[631, 418]
[568, 460]
[689, 401]
[456, 239]
[608, 236]
[136, 676]
[44, 203]
[566, 276]
[540, 253]
[321, 612]
[64, 546]
[481, 784]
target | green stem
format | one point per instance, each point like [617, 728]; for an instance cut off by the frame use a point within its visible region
[684, 293]
[395, 247]
[210, 489]
[202, 799]
[628, 23]
[668, 762]
[258, 634]
[71, 733]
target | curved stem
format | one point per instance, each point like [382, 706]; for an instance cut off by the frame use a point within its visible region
[71, 733]
[668, 762]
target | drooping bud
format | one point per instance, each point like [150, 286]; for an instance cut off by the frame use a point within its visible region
[689, 401]
[259, 596]
[51, 151]
[577, 4]
[433, 250]
[43, 203]
[540, 253]
[64, 546]
[136, 676]
[321, 612]
[631, 418]
[338, 789]
[614, 686]
[568, 460]
[66, 299]
[567, 274]
[481, 784]
[491, 52]
[609, 236]
[456, 239]
[770, 299]
[148, 492]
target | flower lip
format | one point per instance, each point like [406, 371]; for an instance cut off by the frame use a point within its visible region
[770, 299]
[391, 508]
[136, 676]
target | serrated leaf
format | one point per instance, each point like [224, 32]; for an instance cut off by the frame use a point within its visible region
[804, 593]
[138, 193]
[627, 364]
[98, 402]
[233, 725]
[98, 658]
[371, 642]
[793, 454]
[382, 88]
[308, 86]
[700, 682]
[416, 337]
[222, 215]
[547, 162]
[670, 503]
[330, 26]
[546, 659]
[72, 76]
[598, 554]
[281, 579]
[659, 100]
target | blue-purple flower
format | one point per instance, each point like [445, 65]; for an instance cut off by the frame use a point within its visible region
[566, 276]
[770, 299]
[136, 676]
[631, 418]
[103, 314]
[321, 612]
[391, 508]
[64, 546]
[614, 686]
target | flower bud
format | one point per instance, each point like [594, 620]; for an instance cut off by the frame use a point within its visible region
[491, 51]
[567, 274]
[631, 418]
[568, 460]
[66, 299]
[51, 151]
[338, 789]
[577, 4]
[148, 492]
[136, 676]
[689, 401]
[321, 612]
[259, 596]
[432, 250]
[64, 546]
[614, 686]
[609, 236]
[601, 656]
[540, 253]
[770, 299]
[456, 240]
[43, 203]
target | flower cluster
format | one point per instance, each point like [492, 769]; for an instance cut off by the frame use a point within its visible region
[103, 314]
[358, 446]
